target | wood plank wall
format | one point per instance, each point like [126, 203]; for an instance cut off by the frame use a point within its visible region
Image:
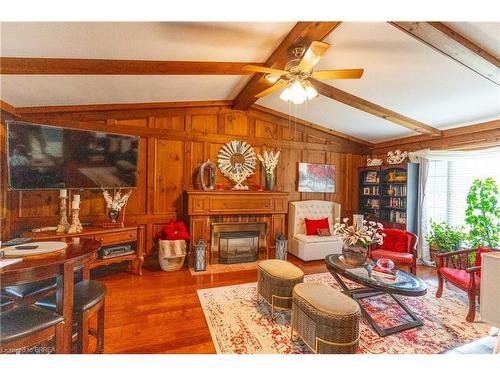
[174, 142]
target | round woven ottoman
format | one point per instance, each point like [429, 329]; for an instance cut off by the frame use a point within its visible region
[275, 282]
[325, 319]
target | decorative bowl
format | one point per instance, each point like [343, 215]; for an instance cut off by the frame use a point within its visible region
[354, 255]
[385, 264]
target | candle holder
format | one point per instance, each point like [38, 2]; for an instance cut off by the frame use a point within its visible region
[63, 225]
[76, 226]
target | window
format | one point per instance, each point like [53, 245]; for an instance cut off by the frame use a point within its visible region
[449, 182]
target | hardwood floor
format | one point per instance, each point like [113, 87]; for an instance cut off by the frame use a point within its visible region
[159, 312]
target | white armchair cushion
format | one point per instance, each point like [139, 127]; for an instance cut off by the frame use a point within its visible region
[315, 239]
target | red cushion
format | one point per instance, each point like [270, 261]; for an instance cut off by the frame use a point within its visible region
[459, 277]
[313, 225]
[395, 256]
[477, 262]
[395, 240]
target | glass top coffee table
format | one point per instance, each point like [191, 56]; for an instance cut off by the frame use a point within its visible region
[405, 284]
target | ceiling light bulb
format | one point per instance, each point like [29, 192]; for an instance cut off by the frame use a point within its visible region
[311, 92]
[285, 95]
[272, 77]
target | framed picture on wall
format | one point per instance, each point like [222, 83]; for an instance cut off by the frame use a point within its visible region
[316, 178]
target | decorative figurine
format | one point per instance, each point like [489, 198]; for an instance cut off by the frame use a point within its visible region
[63, 225]
[396, 157]
[237, 161]
[212, 169]
[373, 162]
[114, 205]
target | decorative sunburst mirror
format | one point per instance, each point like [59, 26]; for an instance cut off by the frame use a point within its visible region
[237, 161]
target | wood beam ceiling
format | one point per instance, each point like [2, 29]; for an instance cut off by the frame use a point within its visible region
[306, 33]
[447, 41]
[31, 65]
[372, 108]
[303, 33]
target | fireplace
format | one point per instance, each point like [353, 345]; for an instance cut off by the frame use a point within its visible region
[238, 242]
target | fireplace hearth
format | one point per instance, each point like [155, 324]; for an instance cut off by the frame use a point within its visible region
[238, 242]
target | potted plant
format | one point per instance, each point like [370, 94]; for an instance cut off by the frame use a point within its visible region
[443, 238]
[483, 214]
[357, 240]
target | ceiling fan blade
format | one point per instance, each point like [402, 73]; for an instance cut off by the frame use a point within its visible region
[338, 74]
[312, 55]
[263, 69]
[278, 85]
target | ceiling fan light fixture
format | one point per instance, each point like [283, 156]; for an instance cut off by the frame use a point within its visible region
[310, 91]
[285, 94]
[272, 77]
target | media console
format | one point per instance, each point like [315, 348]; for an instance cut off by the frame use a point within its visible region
[118, 244]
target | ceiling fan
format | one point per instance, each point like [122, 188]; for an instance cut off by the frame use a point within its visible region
[296, 74]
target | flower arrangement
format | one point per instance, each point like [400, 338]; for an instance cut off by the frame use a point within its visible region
[269, 161]
[352, 235]
[118, 200]
[173, 230]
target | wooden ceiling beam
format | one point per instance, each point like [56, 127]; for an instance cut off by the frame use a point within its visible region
[447, 41]
[303, 33]
[372, 108]
[32, 65]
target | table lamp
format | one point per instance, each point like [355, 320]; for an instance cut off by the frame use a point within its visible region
[490, 291]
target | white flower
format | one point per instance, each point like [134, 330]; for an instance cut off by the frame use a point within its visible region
[118, 200]
[269, 161]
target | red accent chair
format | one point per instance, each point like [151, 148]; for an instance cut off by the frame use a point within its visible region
[456, 268]
[399, 246]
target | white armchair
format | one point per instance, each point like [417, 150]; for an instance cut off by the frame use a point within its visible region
[312, 247]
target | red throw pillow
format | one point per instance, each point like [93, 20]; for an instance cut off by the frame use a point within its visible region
[395, 240]
[312, 225]
[477, 262]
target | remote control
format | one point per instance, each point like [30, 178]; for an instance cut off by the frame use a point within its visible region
[17, 241]
[27, 247]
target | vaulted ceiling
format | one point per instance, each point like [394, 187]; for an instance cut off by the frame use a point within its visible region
[401, 73]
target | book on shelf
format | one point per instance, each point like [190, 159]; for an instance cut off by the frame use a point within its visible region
[371, 190]
[397, 217]
[371, 177]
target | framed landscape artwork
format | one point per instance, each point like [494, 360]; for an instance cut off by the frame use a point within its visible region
[316, 178]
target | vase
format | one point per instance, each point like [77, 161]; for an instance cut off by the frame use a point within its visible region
[354, 255]
[269, 183]
[113, 215]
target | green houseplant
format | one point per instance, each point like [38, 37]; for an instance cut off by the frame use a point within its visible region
[442, 237]
[483, 214]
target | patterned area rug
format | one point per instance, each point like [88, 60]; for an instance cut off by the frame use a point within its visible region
[239, 323]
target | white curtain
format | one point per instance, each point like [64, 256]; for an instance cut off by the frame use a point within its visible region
[422, 246]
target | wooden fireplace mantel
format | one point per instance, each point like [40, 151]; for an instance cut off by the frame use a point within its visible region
[207, 207]
[234, 202]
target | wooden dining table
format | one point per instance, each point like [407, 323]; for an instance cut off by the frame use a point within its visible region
[78, 255]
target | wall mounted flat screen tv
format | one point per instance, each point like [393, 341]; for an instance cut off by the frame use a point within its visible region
[50, 157]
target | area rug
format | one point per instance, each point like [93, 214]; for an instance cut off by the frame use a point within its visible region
[239, 323]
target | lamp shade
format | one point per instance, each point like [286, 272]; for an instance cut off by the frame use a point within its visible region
[490, 288]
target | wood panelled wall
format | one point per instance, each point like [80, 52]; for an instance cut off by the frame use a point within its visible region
[174, 142]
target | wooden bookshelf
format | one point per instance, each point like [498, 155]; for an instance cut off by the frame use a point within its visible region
[389, 194]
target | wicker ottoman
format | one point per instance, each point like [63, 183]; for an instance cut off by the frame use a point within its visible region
[325, 319]
[275, 282]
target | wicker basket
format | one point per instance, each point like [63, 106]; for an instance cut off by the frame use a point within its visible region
[171, 254]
